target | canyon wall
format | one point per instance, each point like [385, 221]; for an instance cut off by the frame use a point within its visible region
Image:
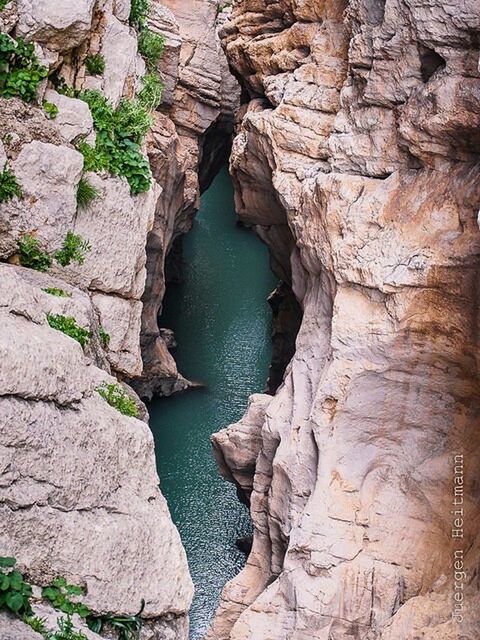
[79, 490]
[357, 161]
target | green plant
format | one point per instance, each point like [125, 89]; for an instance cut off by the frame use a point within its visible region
[50, 109]
[53, 291]
[95, 64]
[37, 624]
[14, 591]
[138, 13]
[31, 254]
[9, 187]
[119, 133]
[151, 45]
[86, 193]
[3, 4]
[66, 631]
[128, 627]
[104, 337]
[20, 70]
[63, 88]
[74, 248]
[59, 592]
[151, 94]
[118, 398]
[68, 325]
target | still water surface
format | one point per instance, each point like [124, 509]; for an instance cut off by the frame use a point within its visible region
[222, 324]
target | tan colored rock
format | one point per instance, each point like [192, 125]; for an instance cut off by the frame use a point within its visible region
[72, 464]
[58, 23]
[121, 319]
[363, 180]
[116, 225]
[48, 176]
[119, 50]
[73, 119]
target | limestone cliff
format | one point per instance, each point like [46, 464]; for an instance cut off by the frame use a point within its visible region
[79, 492]
[357, 162]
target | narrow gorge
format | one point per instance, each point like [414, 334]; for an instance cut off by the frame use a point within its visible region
[319, 485]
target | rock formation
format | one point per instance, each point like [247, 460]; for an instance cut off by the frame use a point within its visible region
[186, 147]
[80, 495]
[357, 161]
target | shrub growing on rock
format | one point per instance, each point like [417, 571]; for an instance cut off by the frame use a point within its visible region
[118, 398]
[68, 325]
[14, 591]
[151, 46]
[120, 133]
[86, 193]
[9, 187]
[20, 70]
[31, 254]
[138, 13]
[74, 248]
[104, 337]
[151, 94]
[95, 64]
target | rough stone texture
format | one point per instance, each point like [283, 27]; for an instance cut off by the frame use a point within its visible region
[73, 119]
[185, 147]
[69, 463]
[48, 176]
[119, 50]
[74, 465]
[116, 225]
[121, 319]
[14, 629]
[361, 144]
[60, 24]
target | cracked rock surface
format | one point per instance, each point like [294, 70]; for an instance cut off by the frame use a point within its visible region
[357, 161]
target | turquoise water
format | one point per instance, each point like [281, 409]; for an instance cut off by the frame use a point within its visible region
[222, 325]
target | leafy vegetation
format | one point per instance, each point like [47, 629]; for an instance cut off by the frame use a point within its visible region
[128, 627]
[120, 133]
[151, 94]
[95, 64]
[86, 193]
[63, 88]
[14, 591]
[59, 593]
[60, 293]
[3, 4]
[151, 46]
[20, 70]
[68, 325]
[15, 594]
[118, 398]
[50, 109]
[138, 13]
[74, 248]
[104, 337]
[32, 255]
[9, 187]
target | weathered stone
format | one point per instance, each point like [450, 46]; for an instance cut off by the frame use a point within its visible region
[116, 225]
[121, 319]
[48, 176]
[368, 151]
[119, 50]
[58, 23]
[73, 119]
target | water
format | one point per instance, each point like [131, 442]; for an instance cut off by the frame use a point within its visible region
[222, 324]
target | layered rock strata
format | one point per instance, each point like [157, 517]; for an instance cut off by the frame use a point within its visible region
[79, 491]
[187, 145]
[360, 143]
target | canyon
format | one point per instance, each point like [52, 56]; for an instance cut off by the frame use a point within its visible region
[355, 159]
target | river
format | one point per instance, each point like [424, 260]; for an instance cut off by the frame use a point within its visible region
[221, 322]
